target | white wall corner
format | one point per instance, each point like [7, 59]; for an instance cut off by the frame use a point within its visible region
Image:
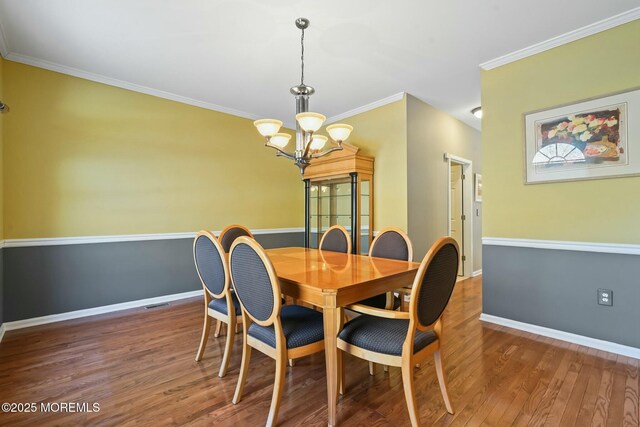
[2, 331]
[476, 273]
[611, 347]
[4, 49]
[571, 36]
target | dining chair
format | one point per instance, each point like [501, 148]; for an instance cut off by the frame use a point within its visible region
[336, 239]
[280, 331]
[402, 339]
[220, 302]
[231, 233]
[390, 243]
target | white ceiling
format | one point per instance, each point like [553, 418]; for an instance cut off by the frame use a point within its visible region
[244, 54]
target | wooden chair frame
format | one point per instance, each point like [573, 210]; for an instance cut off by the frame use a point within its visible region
[343, 230]
[231, 227]
[231, 319]
[408, 359]
[280, 353]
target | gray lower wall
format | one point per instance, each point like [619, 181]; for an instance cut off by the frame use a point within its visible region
[1, 286]
[44, 280]
[557, 289]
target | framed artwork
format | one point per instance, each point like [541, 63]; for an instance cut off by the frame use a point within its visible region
[592, 139]
[478, 187]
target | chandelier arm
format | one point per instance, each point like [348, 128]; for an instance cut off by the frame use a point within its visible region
[280, 151]
[316, 156]
[307, 144]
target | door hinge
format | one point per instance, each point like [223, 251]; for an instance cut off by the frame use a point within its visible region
[464, 217]
[464, 176]
[464, 258]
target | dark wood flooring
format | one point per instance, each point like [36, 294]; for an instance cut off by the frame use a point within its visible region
[138, 365]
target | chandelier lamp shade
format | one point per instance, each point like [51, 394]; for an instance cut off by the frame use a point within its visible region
[309, 144]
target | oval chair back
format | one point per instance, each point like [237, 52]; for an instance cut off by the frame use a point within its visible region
[255, 281]
[392, 243]
[231, 233]
[336, 239]
[212, 269]
[434, 282]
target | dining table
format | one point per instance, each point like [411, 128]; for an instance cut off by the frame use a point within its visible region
[330, 281]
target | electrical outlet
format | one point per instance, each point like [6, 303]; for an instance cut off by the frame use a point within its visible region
[605, 297]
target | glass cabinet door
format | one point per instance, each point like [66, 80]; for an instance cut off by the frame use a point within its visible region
[329, 204]
[365, 216]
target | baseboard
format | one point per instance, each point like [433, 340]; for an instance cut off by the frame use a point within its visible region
[476, 273]
[19, 324]
[611, 347]
[2, 331]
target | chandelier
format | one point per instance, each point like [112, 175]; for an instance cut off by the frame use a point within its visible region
[309, 144]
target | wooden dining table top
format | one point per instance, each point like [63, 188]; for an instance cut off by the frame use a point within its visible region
[316, 272]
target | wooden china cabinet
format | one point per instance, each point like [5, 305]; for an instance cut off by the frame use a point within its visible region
[339, 190]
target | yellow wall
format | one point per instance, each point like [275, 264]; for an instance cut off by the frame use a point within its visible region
[382, 133]
[83, 158]
[605, 210]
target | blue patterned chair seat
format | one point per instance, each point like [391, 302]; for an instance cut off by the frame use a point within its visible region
[301, 326]
[220, 305]
[383, 335]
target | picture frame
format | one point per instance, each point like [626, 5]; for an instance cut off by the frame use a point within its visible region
[478, 187]
[590, 139]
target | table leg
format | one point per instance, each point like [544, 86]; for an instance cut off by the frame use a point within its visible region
[330, 315]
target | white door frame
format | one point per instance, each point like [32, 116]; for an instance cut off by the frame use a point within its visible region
[467, 183]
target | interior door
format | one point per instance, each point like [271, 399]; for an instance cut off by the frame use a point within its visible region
[457, 210]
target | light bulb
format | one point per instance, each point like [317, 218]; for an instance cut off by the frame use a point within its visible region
[318, 142]
[280, 140]
[268, 127]
[310, 122]
[339, 132]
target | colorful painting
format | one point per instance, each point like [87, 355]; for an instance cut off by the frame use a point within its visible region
[586, 140]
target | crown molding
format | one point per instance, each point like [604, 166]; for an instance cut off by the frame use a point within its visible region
[52, 66]
[375, 104]
[571, 36]
[83, 240]
[607, 248]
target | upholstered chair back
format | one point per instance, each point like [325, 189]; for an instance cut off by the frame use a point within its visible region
[231, 233]
[208, 256]
[439, 272]
[336, 239]
[254, 280]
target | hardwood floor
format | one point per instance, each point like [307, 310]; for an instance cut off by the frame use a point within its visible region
[138, 365]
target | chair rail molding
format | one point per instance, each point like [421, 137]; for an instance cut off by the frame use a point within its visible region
[79, 240]
[608, 248]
